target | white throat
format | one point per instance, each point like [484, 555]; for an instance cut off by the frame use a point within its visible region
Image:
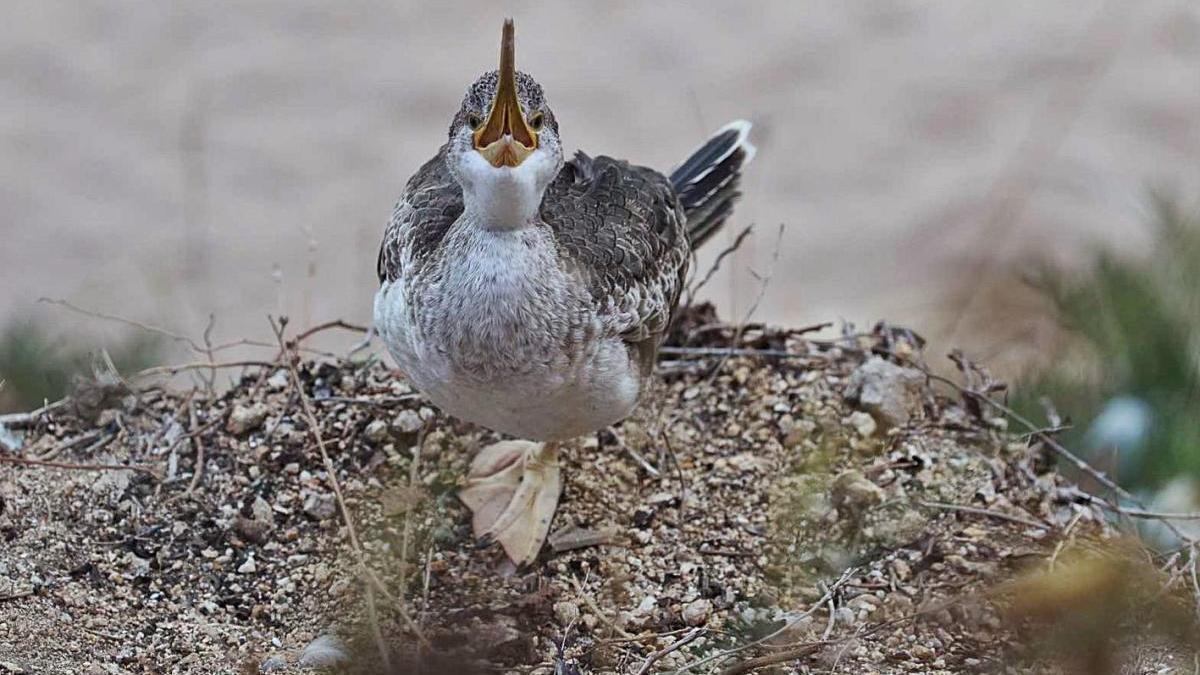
[505, 198]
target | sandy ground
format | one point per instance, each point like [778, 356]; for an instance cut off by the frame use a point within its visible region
[828, 512]
[169, 160]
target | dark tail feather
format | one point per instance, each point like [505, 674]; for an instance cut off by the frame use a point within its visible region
[707, 182]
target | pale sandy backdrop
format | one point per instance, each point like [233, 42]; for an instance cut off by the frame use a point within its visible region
[162, 159]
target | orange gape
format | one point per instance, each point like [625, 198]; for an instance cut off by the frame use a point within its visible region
[505, 139]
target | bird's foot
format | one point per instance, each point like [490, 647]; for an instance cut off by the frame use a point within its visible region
[512, 490]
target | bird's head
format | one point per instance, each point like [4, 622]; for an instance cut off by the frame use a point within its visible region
[504, 147]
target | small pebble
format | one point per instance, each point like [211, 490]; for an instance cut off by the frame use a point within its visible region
[320, 506]
[922, 652]
[863, 423]
[696, 612]
[376, 431]
[245, 418]
[566, 612]
[407, 421]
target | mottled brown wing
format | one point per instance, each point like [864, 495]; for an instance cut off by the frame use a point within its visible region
[623, 230]
[431, 202]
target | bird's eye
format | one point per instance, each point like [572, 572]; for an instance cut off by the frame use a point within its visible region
[474, 121]
[535, 122]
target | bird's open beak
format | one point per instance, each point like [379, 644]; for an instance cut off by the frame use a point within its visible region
[505, 139]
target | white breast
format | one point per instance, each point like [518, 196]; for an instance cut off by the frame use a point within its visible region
[497, 334]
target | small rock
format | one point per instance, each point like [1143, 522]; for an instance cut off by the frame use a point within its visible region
[112, 484]
[278, 380]
[498, 633]
[748, 461]
[324, 652]
[647, 604]
[259, 524]
[796, 629]
[890, 393]
[10, 440]
[320, 506]
[139, 568]
[922, 652]
[272, 663]
[864, 602]
[642, 517]
[801, 431]
[696, 612]
[852, 492]
[567, 612]
[248, 567]
[376, 431]
[245, 419]
[898, 529]
[863, 423]
[10, 667]
[407, 421]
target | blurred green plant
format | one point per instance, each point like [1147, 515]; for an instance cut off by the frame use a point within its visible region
[1130, 379]
[37, 365]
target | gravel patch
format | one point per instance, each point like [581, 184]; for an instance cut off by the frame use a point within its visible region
[800, 506]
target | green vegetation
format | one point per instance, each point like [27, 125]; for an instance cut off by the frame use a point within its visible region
[1131, 378]
[38, 366]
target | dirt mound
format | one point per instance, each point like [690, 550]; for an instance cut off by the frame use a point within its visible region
[792, 502]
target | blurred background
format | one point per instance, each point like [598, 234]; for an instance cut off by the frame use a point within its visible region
[168, 161]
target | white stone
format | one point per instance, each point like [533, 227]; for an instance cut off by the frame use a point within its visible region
[863, 423]
[696, 612]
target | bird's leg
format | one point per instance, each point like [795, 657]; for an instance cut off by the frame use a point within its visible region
[512, 490]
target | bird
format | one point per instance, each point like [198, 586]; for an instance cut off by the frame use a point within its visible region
[529, 293]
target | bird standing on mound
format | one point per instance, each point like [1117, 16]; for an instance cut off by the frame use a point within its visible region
[530, 295]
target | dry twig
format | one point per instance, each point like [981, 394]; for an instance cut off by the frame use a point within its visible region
[977, 396]
[764, 280]
[784, 656]
[331, 472]
[654, 657]
[986, 512]
[128, 322]
[86, 437]
[192, 437]
[726, 252]
[1136, 513]
[336, 323]
[728, 352]
[17, 420]
[825, 598]
[202, 365]
[17, 596]
[4, 459]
